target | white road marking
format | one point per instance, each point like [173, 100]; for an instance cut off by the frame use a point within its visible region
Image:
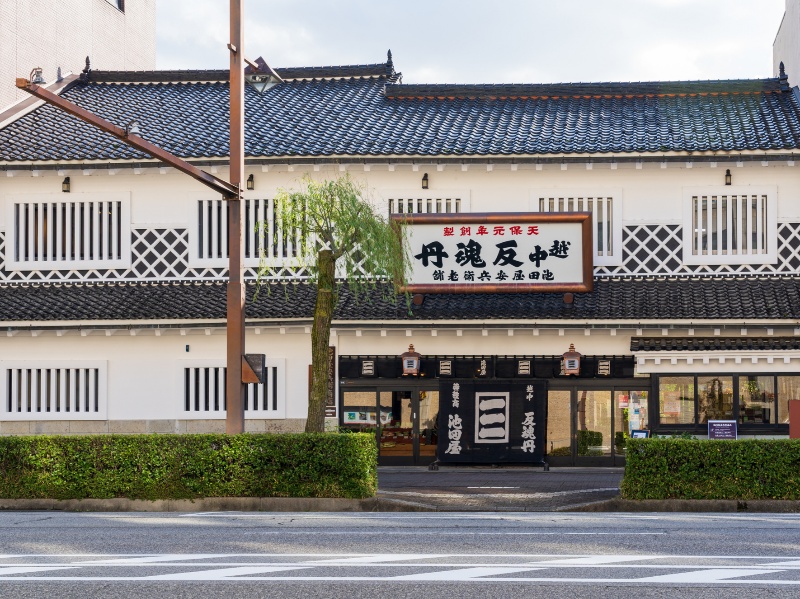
[492, 487]
[170, 557]
[594, 560]
[4, 571]
[220, 574]
[462, 574]
[378, 559]
[713, 575]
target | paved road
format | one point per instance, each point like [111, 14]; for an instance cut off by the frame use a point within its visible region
[498, 489]
[224, 554]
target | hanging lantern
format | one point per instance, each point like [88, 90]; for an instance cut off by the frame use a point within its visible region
[410, 361]
[571, 362]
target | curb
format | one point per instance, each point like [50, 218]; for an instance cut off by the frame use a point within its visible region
[775, 506]
[208, 504]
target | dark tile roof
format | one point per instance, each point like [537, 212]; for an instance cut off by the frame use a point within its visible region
[641, 344]
[176, 76]
[359, 111]
[613, 299]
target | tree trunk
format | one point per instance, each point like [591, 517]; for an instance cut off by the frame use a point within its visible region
[320, 340]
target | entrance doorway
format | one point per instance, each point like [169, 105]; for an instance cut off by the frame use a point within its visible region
[589, 425]
[403, 420]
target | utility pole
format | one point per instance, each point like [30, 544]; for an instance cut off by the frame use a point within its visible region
[241, 369]
[235, 388]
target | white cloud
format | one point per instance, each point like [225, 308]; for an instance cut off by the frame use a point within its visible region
[471, 41]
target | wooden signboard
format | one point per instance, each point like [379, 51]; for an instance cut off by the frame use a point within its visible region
[499, 252]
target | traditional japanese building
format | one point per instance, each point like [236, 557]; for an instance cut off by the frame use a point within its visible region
[112, 266]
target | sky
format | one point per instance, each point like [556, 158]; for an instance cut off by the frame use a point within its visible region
[478, 41]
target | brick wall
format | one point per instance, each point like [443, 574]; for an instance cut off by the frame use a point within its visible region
[52, 34]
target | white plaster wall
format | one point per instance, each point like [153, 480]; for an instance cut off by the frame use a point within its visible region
[649, 195]
[62, 33]
[473, 342]
[144, 371]
[786, 47]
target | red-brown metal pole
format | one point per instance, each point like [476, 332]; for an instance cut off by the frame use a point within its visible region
[234, 423]
[218, 185]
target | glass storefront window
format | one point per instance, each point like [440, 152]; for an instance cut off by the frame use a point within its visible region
[358, 410]
[714, 398]
[594, 423]
[788, 389]
[676, 399]
[756, 400]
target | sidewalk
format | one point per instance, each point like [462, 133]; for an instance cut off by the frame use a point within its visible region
[513, 489]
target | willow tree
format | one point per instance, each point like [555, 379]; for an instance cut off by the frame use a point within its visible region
[341, 239]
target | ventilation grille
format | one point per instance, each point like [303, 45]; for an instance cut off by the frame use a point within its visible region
[70, 393]
[606, 243]
[729, 225]
[260, 231]
[428, 205]
[58, 235]
[204, 391]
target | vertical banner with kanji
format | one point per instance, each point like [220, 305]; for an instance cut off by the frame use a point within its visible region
[491, 421]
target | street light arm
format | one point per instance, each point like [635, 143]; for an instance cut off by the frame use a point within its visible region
[223, 187]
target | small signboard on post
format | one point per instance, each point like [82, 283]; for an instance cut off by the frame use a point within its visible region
[722, 429]
[499, 252]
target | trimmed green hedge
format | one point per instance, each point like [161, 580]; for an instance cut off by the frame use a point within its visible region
[188, 466]
[702, 469]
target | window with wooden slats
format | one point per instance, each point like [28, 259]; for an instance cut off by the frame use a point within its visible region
[204, 393]
[64, 391]
[730, 225]
[68, 234]
[209, 234]
[606, 212]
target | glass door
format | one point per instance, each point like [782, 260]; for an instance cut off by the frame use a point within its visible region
[594, 437]
[407, 430]
[581, 427]
[396, 432]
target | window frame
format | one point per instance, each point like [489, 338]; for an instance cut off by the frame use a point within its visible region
[585, 195]
[279, 386]
[101, 389]
[776, 427]
[770, 225]
[125, 233]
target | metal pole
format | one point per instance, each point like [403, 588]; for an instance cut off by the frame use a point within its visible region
[236, 295]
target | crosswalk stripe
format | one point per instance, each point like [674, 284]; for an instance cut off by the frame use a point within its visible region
[713, 575]
[219, 574]
[462, 574]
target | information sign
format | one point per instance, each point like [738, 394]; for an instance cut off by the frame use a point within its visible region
[722, 429]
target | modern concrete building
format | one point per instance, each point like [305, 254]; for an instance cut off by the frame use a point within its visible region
[786, 47]
[117, 34]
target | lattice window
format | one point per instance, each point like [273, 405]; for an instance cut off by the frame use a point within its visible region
[426, 205]
[606, 212]
[209, 234]
[78, 233]
[53, 391]
[204, 394]
[730, 225]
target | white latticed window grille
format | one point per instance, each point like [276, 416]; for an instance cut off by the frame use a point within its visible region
[69, 234]
[209, 234]
[606, 212]
[204, 394]
[428, 205]
[730, 225]
[67, 391]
